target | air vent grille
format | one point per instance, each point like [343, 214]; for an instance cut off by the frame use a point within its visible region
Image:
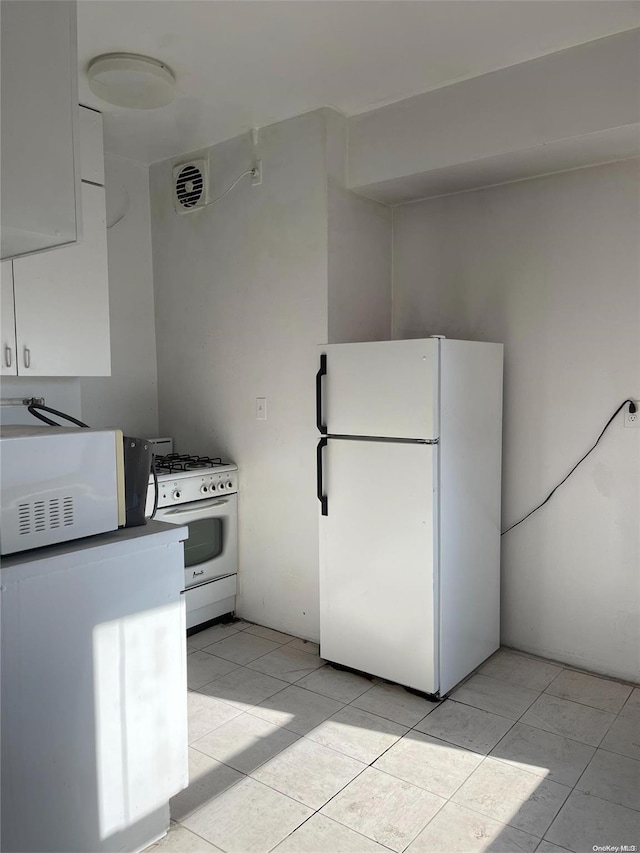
[190, 186]
[24, 519]
[39, 516]
[68, 511]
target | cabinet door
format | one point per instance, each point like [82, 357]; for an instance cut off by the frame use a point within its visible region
[62, 302]
[39, 71]
[7, 319]
[91, 148]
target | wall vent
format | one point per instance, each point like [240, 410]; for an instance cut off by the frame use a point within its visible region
[190, 183]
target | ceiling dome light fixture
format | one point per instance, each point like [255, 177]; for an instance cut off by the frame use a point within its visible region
[131, 80]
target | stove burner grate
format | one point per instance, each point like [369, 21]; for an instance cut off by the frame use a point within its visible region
[183, 462]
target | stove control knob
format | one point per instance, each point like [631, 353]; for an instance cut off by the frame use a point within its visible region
[229, 484]
[212, 487]
[176, 494]
[204, 489]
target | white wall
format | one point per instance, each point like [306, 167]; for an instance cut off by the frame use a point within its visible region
[241, 303]
[59, 393]
[129, 397]
[359, 268]
[592, 89]
[551, 268]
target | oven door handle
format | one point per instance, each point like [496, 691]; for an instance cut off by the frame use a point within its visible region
[202, 505]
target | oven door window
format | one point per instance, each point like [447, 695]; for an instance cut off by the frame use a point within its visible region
[205, 541]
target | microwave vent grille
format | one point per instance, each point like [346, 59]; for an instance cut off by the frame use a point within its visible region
[68, 511]
[39, 516]
[24, 519]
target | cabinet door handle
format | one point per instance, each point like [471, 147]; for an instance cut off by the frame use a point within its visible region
[7, 356]
[27, 357]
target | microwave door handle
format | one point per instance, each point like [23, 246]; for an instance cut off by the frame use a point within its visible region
[202, 505]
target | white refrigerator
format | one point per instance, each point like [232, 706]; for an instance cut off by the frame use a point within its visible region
[408, 483]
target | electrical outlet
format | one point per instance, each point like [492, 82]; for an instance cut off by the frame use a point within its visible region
[256, 179]
[632, 420]
[261, 408]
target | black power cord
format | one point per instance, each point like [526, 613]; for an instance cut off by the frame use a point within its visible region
[632, 410]
[36, 410]
[156, 487]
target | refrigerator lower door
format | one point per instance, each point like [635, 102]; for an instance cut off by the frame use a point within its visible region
[378, 567]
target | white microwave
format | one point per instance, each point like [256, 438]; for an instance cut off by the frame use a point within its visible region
[58, 484]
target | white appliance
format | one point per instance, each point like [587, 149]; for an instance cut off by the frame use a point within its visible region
[202, 494]
[409, 469]
[58, 484]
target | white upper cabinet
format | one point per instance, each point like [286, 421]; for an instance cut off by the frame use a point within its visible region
[39, 194]
[91, 146]
[7, 321]
[55, 305]
[62, 302]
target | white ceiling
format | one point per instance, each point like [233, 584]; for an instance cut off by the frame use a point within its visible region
[249, 63]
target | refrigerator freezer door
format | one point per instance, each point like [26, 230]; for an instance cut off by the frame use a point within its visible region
[387, 389]
[378, 579]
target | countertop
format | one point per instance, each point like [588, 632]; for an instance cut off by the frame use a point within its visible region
[89, 549]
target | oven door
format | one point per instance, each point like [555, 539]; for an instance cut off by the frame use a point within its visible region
[211, 550]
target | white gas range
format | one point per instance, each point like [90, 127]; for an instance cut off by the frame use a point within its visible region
[202, 493]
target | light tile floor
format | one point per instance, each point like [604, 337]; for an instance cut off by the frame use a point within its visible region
[292, 755]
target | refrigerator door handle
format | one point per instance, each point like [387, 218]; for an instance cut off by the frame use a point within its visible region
[321, 496]
[322, 372]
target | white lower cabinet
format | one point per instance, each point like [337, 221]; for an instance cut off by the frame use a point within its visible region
[7, 321]
[93, 734]
[62, 302]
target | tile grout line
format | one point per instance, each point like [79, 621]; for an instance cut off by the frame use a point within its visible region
[458, 746]
[572, 739]
[546, 689]
[613, 752]
[317, 812]
[583, 704]
[338, 752]
[483, 756]
[595, 797]
[243, 710]
[610, 802]
[506, 681]
[565, 667]
[371, 767]
[495, 713]
[445, 800]
[317, 693]
[510, 825]
[279, 645]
